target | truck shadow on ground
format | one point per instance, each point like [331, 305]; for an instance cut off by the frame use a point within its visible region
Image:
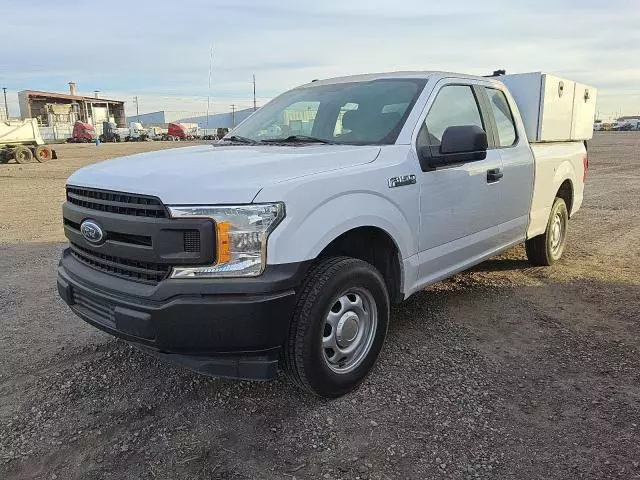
[501, 265]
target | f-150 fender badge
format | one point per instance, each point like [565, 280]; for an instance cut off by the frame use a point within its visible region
[402, 181]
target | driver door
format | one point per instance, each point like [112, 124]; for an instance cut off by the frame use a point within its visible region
[459, 213]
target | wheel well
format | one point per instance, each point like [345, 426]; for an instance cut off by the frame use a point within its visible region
[375, 246]
[565, 192]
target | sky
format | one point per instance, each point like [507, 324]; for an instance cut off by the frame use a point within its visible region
[159, 51]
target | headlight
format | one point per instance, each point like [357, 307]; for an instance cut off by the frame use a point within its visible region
[241, 238]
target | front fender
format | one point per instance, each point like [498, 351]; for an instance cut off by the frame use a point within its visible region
[302, 236]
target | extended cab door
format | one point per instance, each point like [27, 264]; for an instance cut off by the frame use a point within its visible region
[459, 214]
[516, 185]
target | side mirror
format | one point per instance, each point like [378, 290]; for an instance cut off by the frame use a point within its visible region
[460, 144]
[463, 139]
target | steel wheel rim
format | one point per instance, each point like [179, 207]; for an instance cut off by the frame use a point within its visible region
[349, 330]
[557, 233]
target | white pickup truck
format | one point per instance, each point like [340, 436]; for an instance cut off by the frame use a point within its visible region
[286, 242]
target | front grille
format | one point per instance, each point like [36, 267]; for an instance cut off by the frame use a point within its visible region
[192, 241]
[116, 202]
[121, 267]
[94, 307]
[142, 240]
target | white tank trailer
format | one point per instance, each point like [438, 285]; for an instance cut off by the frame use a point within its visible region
[20, 140]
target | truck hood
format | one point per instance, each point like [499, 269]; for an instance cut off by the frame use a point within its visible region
[209, 174]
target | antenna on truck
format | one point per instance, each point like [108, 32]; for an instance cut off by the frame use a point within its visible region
[497, 73]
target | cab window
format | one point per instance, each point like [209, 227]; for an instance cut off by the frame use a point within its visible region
[455, 105]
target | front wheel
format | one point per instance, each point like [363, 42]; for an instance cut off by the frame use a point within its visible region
[546, 249]
[338, 327]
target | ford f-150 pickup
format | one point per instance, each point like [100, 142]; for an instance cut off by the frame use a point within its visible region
[285, 243]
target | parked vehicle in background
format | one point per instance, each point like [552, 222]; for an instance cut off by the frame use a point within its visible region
[182, 131]
[176, 131]
[111, 132]
[286, 242]
[627, 125]
[221, 132]
[82, 133]
[157, 133]
[137, 133]
[212, 133]
[20, 140]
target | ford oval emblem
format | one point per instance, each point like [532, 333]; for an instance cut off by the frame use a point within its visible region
[92, 231]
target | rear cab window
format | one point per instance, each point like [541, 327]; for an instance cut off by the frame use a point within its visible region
[505, 125]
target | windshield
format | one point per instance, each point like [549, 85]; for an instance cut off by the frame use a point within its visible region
[357, 113]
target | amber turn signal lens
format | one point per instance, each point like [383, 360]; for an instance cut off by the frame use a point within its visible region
[222, 240]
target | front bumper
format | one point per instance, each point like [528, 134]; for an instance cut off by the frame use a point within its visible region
[229, 328]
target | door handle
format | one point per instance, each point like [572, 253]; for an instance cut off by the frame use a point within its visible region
[494, 175]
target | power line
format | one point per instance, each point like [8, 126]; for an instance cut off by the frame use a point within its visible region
[254, 92]
[233, 115]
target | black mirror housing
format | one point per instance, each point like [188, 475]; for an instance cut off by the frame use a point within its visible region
[463, 139]
[460, 144]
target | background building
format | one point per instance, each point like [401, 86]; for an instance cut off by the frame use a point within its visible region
[158, 118]
[57, 112]
[219, 120]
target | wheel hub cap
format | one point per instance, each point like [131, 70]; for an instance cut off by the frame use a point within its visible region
[556, 233]
[347, 329]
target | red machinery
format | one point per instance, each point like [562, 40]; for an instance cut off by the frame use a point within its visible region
[82, 133]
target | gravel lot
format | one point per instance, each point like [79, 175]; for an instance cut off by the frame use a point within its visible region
[505, 372]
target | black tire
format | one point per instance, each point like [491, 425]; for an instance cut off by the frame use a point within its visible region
[22, 154]
[43, 153]
[547, 249]
[326, 284]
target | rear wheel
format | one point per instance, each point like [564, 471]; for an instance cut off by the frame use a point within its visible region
[43, 153]
[546, 249]
[338, 326]
[22, 154]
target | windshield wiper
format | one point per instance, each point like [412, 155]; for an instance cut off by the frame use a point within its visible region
[298, 139]
[239, 139]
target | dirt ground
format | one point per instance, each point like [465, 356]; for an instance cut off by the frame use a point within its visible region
[32, 194]
[502, 372]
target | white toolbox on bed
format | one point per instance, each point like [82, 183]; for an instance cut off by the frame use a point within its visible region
[553, 109]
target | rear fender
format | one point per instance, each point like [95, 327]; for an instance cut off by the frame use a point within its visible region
[541, 207]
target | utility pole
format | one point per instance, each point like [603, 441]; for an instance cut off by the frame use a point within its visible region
[6, 107]
[254, 93]
[135, 99]
[233, 116]
[209, 91]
